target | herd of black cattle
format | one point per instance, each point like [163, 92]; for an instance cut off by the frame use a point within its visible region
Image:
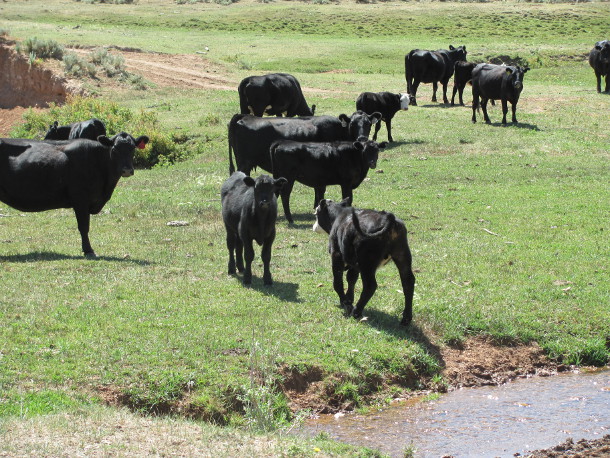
[78, 166]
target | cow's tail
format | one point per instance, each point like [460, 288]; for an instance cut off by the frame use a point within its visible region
[389, 222]
[231, 139]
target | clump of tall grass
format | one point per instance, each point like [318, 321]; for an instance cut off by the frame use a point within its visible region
[112, 64]
[42, 49]
[163, 147]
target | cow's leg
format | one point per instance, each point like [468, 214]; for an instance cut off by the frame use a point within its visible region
[461, 91]
[346, 191]
[231, 236]
[377, 127]
[369, 286]
[414, 89]
[319, 195]
[407, 278]
[434, 89]
[445, 84]
[82, 220]
[285, 192]
[337, 266]
[475, 104]
[266, 257]
[352, 278]
[239, 253]
[484, 108]
[513, 107]
[607, 82]
[249, 257]
[388, 125]
[455, 89]
[598, 76]
[504, 110]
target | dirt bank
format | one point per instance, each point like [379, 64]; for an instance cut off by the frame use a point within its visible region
[25, 85]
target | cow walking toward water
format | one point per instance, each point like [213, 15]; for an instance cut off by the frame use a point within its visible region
[361, 241]
[497, 82]
[431, 67]
[79, 174]
[249, 212]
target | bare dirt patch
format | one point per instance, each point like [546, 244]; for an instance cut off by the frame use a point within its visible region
[582, 449]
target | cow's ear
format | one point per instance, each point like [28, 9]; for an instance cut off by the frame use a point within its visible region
[347, 202]
[525, 69]
[509, 71]
[105, 140]
[598, 47]
[464, 47]
[358, 145]
[375, 117]
[249, 181]
[451, 47]
[344, 119]
[279, 182]
[383, 145]
[141, 141]
[55, 124]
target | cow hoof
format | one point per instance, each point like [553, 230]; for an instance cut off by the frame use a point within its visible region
[90, 255]
[267, 282]
[405, 322]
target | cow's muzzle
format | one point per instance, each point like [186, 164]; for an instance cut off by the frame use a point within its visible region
[373, 164]
[518, 85]
[127, 173]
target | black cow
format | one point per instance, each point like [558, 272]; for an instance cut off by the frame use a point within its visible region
[462, 76]
[249, 211]
[431, 67]
[90, 129]
[80, 174]
[250, 136]
[322, 164]
[599, 59]
[386, 103]
[274, 94]
[496, 82]
[361, 241]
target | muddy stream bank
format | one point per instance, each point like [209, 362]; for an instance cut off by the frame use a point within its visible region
[489, 421]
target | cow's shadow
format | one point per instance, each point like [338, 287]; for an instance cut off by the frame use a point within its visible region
[38, 256]
[389, 324]
[301, 220]
[518, 125]
[287, 292]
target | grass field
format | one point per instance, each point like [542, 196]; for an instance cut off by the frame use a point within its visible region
[508, 225]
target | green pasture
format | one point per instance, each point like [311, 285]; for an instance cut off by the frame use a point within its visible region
[508, 225]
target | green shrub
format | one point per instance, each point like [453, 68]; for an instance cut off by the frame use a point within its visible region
[76, 66]
[162, 149]
[43, 49]
[112, 64]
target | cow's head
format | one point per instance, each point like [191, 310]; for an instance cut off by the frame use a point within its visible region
[326, 213]
[515, 76]
[359, 124]
[265, 188]
[370, 151]
[122, 147]
[405, 100]
[604, 51]
[52, 133]
[458, 53]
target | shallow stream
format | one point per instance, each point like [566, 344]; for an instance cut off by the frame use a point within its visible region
[521, 416]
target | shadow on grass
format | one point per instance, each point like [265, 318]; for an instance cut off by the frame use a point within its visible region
[390, 324]
[38, 256]
[301, 220]
[287, 292]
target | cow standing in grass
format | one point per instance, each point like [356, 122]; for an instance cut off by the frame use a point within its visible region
[249, 212]
[386, 103]
[599, 59]
[79, 174]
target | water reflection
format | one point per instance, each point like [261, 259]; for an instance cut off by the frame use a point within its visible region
[530, 414]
